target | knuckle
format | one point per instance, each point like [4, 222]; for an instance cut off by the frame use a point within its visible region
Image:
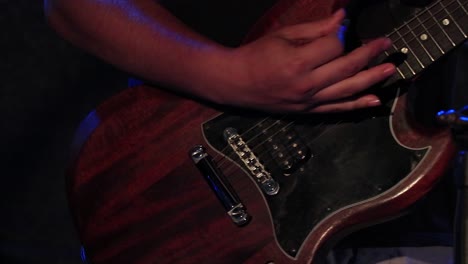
[322, 28]
[374, 50]
[286, 33]
[352, 67]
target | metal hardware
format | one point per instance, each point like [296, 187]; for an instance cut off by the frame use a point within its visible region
[252, 163]
[220, 186]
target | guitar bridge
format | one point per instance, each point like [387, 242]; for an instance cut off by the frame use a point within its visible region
[258, 171]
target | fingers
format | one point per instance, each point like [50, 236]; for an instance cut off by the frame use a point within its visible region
[340, 80]
[349, 65]
[320, 52]
[356, 83]
[315, 76]
[313, 30]
[347, 105]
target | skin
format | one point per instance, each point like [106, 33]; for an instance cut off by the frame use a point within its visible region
[273, 73]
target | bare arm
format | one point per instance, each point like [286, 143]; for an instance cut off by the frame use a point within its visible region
[271, 74]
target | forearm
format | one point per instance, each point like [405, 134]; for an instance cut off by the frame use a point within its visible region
[143, 38]
[272, 73]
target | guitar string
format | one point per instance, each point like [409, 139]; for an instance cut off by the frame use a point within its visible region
[291, 123]
[426, 11]
[228, 169]
[462, 5]
[432, 17]
[444, 8]
[262, 143]
[288, 148]
[269, 137]
[223, 159]
[452, 14]
[228, 150]
[440, 11]
[232, 166]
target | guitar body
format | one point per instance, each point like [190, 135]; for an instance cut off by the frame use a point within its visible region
[138, 196]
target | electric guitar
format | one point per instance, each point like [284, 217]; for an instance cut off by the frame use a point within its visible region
[160, 178]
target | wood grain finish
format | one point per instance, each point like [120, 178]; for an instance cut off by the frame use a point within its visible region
[138, 198]
[134, 182]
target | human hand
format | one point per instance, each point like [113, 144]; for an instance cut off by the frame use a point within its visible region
[302, 68]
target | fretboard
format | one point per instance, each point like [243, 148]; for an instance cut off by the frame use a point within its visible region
[434, 31]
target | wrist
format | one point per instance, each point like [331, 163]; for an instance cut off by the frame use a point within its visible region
[216, 75]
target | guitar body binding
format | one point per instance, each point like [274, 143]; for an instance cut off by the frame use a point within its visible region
[351, 161]
[137, 197]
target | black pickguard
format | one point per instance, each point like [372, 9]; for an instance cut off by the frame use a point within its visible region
[354, 157]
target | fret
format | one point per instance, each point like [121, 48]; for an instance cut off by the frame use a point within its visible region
[418, 33]
[426, 36]
[435, 30]
[445, 21]
[384, 57]
[437, 16]
[434, 48]
[449, 7]
[460, 14]
[404, 69]
[400, 73]
[400, 45]
[463, 6]
[416, 43]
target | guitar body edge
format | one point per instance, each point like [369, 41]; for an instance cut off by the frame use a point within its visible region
[138, 197]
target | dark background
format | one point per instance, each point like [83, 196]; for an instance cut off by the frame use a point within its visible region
[47, 88]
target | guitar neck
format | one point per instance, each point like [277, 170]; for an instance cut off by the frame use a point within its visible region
[433, 32]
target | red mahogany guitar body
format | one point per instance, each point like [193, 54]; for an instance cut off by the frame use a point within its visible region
[138, 196]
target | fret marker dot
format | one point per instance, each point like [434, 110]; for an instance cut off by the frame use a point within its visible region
[445, 22]
[423, 37]
[404, 50]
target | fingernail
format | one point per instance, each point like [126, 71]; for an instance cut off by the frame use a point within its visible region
[339, 12]
[375, 102]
